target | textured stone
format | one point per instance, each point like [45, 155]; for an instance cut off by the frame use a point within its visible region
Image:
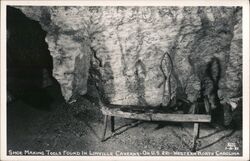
[67, 46]
[126, 45]
[232, 87]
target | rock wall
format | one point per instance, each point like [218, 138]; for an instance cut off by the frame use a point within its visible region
[67, 45]
[145, 55]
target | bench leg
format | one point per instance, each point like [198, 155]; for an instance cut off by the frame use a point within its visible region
[104, 127]
[112, 119]
[195, 136]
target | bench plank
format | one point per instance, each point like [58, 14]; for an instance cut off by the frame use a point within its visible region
[182, 117]
[156, 116]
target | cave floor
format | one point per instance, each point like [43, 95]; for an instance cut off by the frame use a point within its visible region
[78, 127]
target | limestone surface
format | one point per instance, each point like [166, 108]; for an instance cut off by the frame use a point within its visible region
[145, 55]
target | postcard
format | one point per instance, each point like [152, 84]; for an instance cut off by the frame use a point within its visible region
[125, 80]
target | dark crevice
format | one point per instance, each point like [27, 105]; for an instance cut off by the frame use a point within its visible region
[29, 63]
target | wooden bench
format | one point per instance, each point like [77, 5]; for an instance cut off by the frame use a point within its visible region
[151, 114]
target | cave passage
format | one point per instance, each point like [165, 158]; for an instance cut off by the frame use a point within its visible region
[29, 63]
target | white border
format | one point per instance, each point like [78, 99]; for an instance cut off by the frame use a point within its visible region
[243, 3]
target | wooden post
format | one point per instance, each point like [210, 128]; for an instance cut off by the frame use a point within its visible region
[195, 136]
[112, 120]
[104, 127]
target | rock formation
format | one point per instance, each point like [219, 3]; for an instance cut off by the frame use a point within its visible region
[126, 46]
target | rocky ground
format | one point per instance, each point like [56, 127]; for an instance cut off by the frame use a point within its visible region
[78, 127]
